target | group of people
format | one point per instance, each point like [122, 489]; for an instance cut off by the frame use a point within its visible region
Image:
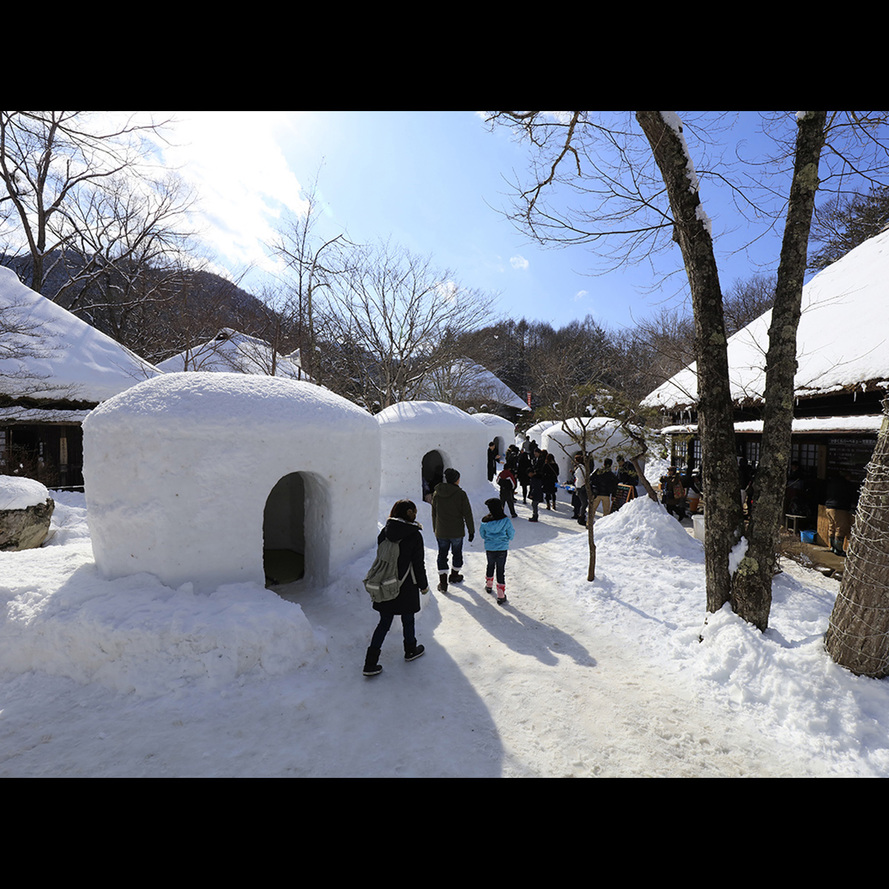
[681, 492]
[529, 468]
[536, 472]
[452, 522]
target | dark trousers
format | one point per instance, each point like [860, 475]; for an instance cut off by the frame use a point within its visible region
[582, 503]
[454, 545]
[497, 563]
[407, 624]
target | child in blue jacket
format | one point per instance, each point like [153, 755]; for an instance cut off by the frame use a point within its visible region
[496, 530]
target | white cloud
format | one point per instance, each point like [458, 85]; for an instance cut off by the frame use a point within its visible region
[580, 295]
[243, 180]
[519, 262]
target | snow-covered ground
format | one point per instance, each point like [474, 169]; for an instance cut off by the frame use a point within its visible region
[625, 676]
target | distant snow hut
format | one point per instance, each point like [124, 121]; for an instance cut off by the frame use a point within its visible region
[215, 478]
[500, 430]
[420, 439]
[605, 436]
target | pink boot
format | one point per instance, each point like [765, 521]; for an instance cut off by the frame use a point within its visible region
[501, 593]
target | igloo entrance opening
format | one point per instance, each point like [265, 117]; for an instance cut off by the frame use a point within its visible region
[284, 531]
[432, 472]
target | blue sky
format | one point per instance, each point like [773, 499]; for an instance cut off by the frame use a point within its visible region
[432, 181]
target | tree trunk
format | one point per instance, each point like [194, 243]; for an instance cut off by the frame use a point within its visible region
[652, 494]
[858, 633]
[715, 414]
[752, 583]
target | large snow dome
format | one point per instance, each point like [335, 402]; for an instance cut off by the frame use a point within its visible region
[606, 437]
[420, 439]
[221, 478]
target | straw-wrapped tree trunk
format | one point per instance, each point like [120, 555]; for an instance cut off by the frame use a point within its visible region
[858, 634]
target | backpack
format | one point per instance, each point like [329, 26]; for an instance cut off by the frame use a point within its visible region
[382, 581]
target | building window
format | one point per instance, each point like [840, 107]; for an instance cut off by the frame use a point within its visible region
[804, 454]
[752, 452]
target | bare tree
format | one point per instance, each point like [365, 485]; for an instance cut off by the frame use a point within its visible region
[846, 221]
[649, 211]
[312, 263]
[392, 320]
[87, 203]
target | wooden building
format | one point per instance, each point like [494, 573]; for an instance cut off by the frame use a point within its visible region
[842, 377]
[54, 368]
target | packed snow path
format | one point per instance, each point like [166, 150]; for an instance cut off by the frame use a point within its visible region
[539, 688]
[609, 679]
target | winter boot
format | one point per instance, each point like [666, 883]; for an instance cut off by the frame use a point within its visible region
[443, 582]
[413, 652]
[455, 577]
[501, 594]
[489, 586]
[371, 665]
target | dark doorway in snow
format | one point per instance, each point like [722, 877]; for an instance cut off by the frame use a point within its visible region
[284, 531]
[432, 472]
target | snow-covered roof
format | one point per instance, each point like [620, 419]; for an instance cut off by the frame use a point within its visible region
[47, 352]
[842, 341]
[466, 378]
[867, 423]
[20, 415]
[231, 351]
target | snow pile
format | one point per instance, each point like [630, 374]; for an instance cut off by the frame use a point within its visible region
[20, 493]
[642, 526]
[136, 635]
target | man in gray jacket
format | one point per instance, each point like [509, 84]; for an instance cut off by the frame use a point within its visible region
[450, 513]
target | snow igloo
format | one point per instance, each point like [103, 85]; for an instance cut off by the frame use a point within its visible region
[419, 440]
[500, 430]
[217, 478]
[606, 437]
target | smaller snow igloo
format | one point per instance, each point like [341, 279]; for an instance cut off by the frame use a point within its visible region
[419, 440]
[219, 478]
[499, 429]
[606, 437]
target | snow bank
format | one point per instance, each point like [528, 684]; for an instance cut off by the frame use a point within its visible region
[138, 636]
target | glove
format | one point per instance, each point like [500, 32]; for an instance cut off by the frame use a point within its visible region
[471, 536]
[423, 592]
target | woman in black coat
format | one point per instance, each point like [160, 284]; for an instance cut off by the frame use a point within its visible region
[550, 474]
[402, 527]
